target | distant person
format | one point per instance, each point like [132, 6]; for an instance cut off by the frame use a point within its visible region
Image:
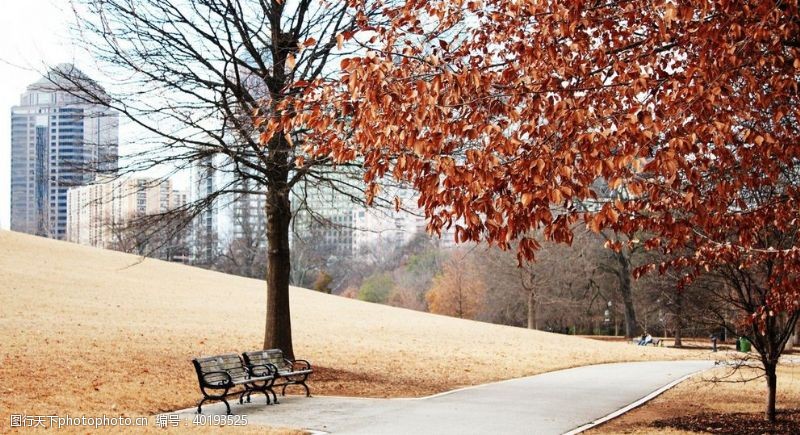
[645, 340]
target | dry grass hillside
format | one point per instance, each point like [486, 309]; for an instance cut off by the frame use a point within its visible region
[91, 331]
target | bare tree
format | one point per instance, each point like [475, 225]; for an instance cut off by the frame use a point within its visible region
[246, 253]
[562, 288]
[746, 290]
[617, 256]
[306, 262]
[164, 236]
[189, 75]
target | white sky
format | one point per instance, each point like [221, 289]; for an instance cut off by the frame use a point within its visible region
[33, 33]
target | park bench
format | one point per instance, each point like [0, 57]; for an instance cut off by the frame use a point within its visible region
[655, 342]
[228, 374]
[286, 372]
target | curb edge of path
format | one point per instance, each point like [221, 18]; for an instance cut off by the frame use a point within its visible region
[633, 405]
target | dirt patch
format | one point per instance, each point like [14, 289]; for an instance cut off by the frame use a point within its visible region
[337, 382]
[737, 423]
[706, 404]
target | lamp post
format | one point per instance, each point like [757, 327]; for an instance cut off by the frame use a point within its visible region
[608, 318]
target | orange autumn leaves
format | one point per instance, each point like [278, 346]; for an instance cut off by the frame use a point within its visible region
[510, 117]
[458, 291]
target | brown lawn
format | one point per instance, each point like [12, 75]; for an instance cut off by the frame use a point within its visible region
[700, 402]
[91, 332]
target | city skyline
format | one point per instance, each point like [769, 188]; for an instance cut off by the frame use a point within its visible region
[58, 141]
[25, 51]
[103, 214]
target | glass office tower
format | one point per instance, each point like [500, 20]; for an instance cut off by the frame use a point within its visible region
[58, 140]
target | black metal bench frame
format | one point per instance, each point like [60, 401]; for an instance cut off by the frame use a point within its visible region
[292, 372]
[261, 382]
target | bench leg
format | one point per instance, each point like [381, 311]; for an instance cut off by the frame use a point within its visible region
[274, 396]
[214, 397]
[200, 405]
[227, 406]
[256, 388]
[301, 381]
[308, 392]
[266, 394]
[266, 388]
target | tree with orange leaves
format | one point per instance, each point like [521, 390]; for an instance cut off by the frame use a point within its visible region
[458, 291]
[505, 114]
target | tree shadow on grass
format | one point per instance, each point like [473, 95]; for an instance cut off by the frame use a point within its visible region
[735, 423]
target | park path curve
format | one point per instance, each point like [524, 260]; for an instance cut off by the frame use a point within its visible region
[550, 403]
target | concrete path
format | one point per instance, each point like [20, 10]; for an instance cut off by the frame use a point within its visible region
[550, 403]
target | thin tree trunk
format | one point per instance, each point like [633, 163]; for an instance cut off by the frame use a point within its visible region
[278, 332]
[772, 388]
[679, 320]
[624, 275]
[532, 310]
[459, 304]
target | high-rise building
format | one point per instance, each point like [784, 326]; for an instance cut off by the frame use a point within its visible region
[58, 141]
[324, 217]
[330, 216]
[381, 231]
[249, 215]
[205, 179]
[223, 219]
[98, 214]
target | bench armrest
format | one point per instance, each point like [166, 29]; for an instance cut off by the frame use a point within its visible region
[300, 364]
[228, 380]
[260, 370]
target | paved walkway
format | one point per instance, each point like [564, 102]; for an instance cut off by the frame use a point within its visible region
[550, 403]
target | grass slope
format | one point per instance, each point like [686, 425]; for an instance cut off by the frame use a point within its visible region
[91, 331]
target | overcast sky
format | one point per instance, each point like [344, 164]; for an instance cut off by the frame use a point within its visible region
[33, 34]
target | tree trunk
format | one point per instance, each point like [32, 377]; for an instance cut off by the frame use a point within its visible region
[459, 301]
[278, 332]
[532, 310]
[624, 275]
[772, 388]
[679, 320]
